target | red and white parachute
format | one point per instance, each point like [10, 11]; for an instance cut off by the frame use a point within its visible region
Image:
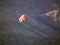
[23, 18]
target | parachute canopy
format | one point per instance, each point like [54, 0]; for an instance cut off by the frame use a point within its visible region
[23, 18]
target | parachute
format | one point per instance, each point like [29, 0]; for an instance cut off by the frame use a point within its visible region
[23, 18]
